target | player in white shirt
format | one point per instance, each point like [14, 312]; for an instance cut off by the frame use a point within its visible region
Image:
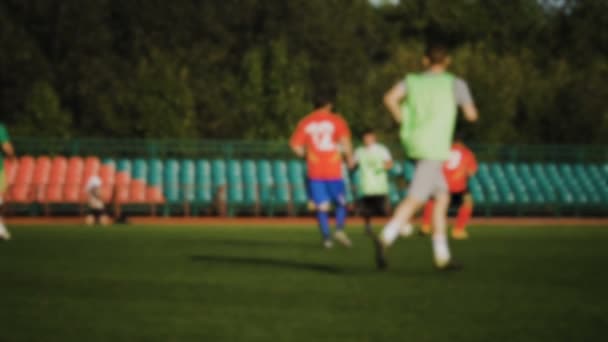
[97, 212]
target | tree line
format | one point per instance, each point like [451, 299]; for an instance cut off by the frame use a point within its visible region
[246, 69]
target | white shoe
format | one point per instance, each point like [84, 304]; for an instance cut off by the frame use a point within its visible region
[343, 239]
[406, 230]
[4, 234]
[328, 244]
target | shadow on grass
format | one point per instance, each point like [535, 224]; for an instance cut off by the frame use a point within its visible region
[267, 262]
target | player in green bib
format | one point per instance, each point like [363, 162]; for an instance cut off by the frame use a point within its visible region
[373, 161]
[7, 149]
[425, 105]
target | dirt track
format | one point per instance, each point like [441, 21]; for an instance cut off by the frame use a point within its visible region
[300, 221]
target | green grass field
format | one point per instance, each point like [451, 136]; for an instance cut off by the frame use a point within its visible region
[268, 284]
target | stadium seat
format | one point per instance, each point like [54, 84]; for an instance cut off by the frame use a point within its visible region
[137, 191]
[92, 166]
[19, 191]
[155, 172]
[279, 172]
[234, 179]
[187, 180]
[250, 182]
[171, 181]
[41, 177]
[140, 170]
[54, 193]
[73, 183]
[107, 173]
[122, 181]
[266, 182]
[203, 193]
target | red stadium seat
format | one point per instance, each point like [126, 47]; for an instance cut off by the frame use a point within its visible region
[41, 177]
[73, 180]
[137, 191]
[54, 192]
[92, 167]
[22, 180]
[154, 195]
[11, 171]
[122, 193]
[107, 173]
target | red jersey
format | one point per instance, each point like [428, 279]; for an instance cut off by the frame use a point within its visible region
[320, 133]
[457, 170]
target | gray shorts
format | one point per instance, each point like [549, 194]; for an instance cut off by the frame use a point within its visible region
[428, 180]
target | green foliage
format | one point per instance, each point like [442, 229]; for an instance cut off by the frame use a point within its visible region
[247, 68]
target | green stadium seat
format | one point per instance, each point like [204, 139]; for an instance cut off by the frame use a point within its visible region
[124, 165]
[140, 170]
[235, 183]
[187, 180]
[279, 172]
[266, 182]
[155, 172]
[204, 187]
[297, 178]
[218, 174]
[250, 182]
[171, 181]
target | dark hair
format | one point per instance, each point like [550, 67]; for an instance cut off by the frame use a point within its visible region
[436, 53]
[366, 131]
[323, 98]
[459, 136]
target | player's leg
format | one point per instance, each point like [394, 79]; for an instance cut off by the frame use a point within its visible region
[427, 217]
[4, 233]
[337, 190]
[464, 216]
[364, 207]
[441, 249]
[320, 197]
[420, 190]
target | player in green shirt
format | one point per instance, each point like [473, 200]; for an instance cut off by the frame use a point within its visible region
[373, 161]
[425, 105]
[7, 149]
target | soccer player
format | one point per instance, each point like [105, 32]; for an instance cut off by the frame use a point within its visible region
[9, 151]
[320, 137]
[373, 161]
[426, 105]
[457, 170]
[97, 211]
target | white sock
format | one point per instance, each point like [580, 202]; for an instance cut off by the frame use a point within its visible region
[3, 230]
[390, 232]
[441, 250]
[406, 230]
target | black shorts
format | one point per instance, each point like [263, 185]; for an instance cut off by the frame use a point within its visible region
[457, 198]
[97, 213]
[373, 205]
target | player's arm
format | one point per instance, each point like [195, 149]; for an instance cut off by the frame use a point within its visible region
[472, 169]
[344, 139]
[347, 147]
[296, 143]
[392, 101]
[465, 101]
[388, 159]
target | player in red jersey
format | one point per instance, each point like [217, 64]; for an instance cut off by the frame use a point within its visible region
[321, 137]
[457, 170]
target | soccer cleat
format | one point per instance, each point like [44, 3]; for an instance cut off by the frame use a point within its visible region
[328, 244]
[406, 231]
[460, 234]
[343, 239]
[380, 250]
[449, 267]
